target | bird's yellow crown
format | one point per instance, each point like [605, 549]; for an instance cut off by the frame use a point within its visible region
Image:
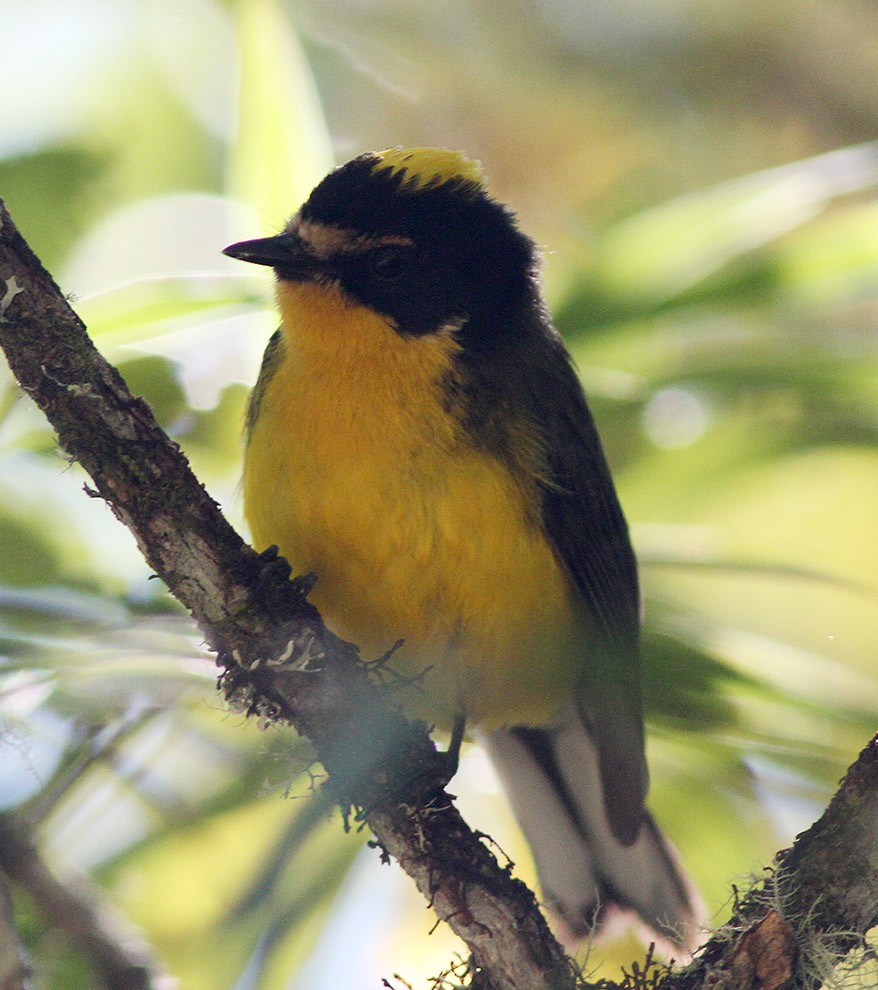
[423, 168]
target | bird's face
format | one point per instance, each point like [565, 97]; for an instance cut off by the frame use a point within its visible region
[414, 239]
[412, 287]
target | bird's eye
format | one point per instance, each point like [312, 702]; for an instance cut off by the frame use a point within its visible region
[389, 263]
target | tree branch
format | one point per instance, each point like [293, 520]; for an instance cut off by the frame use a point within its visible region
[124, 961]
[279, 661]
[14, 965]
[815, 906]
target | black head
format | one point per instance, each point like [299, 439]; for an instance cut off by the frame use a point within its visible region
[413, 235]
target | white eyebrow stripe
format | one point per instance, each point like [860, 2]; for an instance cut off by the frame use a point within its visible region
[326, 241]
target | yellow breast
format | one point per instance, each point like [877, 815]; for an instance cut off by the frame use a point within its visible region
[356, 469]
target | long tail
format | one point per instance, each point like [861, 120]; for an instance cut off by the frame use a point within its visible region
[552, 780]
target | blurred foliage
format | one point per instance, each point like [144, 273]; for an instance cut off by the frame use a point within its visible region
[702, 178]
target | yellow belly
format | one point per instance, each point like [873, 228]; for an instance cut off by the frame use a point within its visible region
[356, 471]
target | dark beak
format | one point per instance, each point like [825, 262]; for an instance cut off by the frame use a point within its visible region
[285, 253]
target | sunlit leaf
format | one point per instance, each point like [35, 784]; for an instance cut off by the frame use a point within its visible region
[281, 148]
[711, 244]
[665, 251]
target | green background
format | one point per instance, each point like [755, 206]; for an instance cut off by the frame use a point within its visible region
[702, 181]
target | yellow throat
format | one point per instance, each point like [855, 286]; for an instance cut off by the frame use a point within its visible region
[356, 469]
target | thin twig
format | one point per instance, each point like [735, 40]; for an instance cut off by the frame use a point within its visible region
[14, 965]
[122, 958]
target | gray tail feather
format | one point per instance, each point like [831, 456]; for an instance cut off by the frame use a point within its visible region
[552, 780]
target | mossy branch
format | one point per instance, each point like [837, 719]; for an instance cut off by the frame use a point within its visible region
[279, 661]
[277, 658]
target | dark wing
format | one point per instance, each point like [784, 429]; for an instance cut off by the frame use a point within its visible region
[585, 525]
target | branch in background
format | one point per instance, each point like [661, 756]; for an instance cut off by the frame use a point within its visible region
[281, 663]
[14, 966]
[121, 957]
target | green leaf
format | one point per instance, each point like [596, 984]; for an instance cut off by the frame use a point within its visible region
[281, 149]
[713, 244]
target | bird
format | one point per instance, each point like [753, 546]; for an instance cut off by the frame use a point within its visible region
[419, 439]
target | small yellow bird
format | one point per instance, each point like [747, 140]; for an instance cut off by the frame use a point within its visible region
[419, 440]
